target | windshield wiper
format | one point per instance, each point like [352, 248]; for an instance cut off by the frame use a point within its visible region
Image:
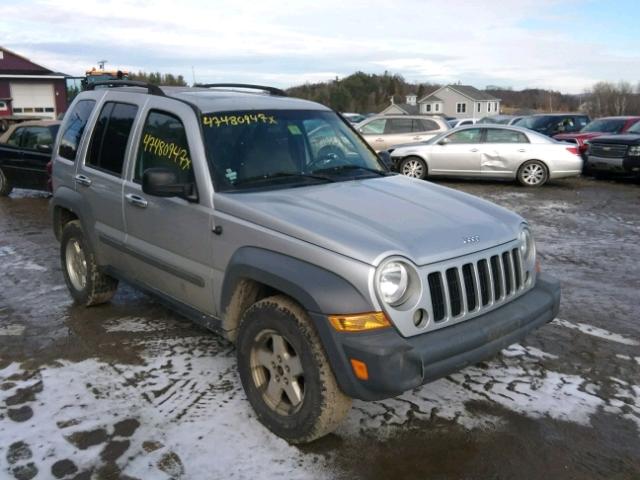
[342, 168]
[273, 176]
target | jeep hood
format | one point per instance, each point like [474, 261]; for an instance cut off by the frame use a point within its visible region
[370, 219]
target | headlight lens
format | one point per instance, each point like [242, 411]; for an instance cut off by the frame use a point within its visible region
[527, 245]
[393, 281]
[634, 151]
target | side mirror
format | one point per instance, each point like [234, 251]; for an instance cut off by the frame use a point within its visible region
[444, 141]
[163, 182]
[386, 159]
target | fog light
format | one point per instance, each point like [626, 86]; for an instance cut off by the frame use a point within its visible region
[360, 369]
[359, 322]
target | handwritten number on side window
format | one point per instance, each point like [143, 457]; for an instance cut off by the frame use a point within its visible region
[235, 120]
[168, 150]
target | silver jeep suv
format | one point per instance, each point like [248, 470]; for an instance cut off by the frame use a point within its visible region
[270, 220]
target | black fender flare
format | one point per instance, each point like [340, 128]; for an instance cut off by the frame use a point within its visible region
[315, 288]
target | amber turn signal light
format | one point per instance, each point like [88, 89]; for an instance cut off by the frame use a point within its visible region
[359, 322]
[360, 369]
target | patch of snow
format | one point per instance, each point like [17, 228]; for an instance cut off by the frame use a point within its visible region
[7, 250]
[13, 329]
[596, 332]
[517, 350]
[134, 325]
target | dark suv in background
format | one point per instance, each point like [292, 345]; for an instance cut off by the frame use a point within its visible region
[616, 154]
[597, 128]
[553, 123]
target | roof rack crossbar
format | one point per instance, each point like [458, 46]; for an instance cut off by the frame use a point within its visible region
[270, 90]
[151, 88]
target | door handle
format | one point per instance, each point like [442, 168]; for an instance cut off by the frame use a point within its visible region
[136, 200]
[379, 139]
[521, 150]
[417, 138]
[474, 150]
[83, 180]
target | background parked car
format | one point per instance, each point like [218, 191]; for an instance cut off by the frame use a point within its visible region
[596, 128]
[501, 119]
[553, 123]
[461, 122]
[490, 152]
[25, 150]
[354, 117]
[385, 131]
[615, 154]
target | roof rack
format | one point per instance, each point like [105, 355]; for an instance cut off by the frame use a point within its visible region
[151, 88]
[270, 90]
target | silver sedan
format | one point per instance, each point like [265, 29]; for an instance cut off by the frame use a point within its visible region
[490, 151]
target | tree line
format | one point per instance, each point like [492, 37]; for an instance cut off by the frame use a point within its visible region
[371, 93]
[157, 78]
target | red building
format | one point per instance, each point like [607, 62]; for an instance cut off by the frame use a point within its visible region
[28, 89]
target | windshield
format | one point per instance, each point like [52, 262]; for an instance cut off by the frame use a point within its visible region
[635, 128]
[282, 148]
[605, 125]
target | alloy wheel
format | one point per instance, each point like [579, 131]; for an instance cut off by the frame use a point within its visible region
[413, 168]
[277, 372]
[76, 263]
[533, 174]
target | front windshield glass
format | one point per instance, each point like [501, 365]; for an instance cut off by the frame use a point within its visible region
[635, 128]
[605, 125]
[282, 148]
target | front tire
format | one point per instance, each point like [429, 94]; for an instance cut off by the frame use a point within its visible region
[414, 167]
[285, 372]
[533, 173]
[87, 285]
[5, 186]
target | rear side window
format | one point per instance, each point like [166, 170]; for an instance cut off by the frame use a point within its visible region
[164, 144]
[424, 125]
[110, 137]
[399, 125]
[14, 139]
[498, 135]
[74, 128]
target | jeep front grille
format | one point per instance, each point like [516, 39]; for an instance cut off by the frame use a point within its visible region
[472, 287]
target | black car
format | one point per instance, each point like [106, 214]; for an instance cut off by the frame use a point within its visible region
[25, 150]
[615, 154]
[553, 123]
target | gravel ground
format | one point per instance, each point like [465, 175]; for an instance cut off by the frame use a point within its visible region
[131, 390]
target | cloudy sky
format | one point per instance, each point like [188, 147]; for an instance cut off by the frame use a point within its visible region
[561, 44]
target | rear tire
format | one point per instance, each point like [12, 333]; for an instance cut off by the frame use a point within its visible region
[285, 372]
[414, 167]
[5, 186]
[533, 173]
[87, 285]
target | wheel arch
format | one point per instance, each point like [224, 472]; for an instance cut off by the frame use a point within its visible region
[254, 273]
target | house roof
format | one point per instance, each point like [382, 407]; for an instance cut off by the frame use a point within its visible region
[433, 98]
[13, 63]
[405, 107]
[467, 90]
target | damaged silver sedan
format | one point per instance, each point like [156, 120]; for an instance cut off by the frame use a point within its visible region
[490, 151]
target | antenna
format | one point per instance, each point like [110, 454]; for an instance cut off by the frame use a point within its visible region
[101, 64]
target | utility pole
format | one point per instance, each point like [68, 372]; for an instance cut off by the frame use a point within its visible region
[101, 64]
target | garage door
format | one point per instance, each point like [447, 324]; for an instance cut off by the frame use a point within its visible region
[33, 99]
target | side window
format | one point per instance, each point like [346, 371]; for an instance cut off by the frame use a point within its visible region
[14, 139]
[374, 127]
[74, 128]
[399, 125]
[110, 137]
[424, 125]
[164, 144]
[471, 135]
[36, 137]
[498, 135]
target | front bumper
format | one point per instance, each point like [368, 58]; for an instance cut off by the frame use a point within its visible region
[397, 364]
[627, 165]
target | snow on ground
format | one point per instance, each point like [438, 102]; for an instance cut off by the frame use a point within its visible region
[182, 411]
[597, 332]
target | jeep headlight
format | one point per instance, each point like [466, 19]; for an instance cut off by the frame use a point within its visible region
[634, 151]
[393, 281]
[527, 246]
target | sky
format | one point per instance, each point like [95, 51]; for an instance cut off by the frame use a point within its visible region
[564, 45]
